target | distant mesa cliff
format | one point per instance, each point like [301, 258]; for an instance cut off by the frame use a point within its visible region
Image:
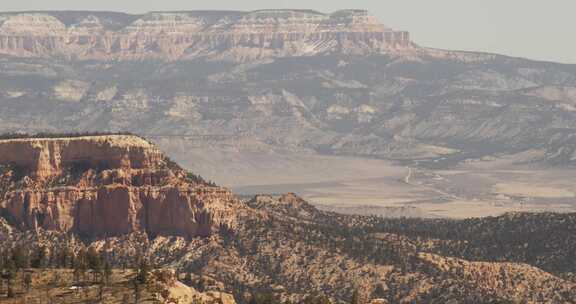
[215, 35]
[105, 186]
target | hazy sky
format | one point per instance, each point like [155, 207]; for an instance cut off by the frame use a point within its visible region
[539, 29]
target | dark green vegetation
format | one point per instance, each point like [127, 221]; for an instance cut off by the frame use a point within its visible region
[545, 240]
[57, 271]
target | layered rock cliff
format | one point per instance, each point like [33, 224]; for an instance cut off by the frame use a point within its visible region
[106, 185]
[224, 35]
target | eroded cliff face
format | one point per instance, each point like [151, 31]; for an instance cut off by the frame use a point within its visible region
[46, 158]
[232, 36]
[106, 185]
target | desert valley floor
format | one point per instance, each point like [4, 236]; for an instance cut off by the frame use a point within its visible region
[487, 186]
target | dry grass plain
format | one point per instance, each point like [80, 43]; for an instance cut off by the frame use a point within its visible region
[475, 188]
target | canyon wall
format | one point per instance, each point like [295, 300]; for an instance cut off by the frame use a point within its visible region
[231, 36]
[104, 186]
[46, 157]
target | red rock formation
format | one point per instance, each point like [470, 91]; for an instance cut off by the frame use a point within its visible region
[46, 158]
[106, 185]
[236, 36]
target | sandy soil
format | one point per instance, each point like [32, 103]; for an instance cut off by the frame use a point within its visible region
[531, 190]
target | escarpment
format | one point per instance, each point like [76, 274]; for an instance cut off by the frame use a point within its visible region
[224, 35]
[104, 186]
[46, 158]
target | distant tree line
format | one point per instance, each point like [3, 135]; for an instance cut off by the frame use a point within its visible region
[88, 265]
[545, 240]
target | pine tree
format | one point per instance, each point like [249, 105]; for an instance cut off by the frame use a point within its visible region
[136, 291]
[62, 259]
[56, 279]
[20, 258]
[93, 258]
[200, 284]
[107, 272]
[355, 297]
[94, 263]
[79, 266]
[72, 260]
[2, 269]
[27, 281]
[38, 258]
[379, 292]
[188, 279]
[143, 272]
[100, 292]
[9, 276]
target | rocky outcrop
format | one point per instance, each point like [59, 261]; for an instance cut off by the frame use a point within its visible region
[507, 280]
[235, 36]
[106, 185]
[44, 158]
[175, 291]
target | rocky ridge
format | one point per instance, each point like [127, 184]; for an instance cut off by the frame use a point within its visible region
[290, 79]
[139, 206]
[106, 185]
[285, 248]
[224, 35]
[432, 105]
